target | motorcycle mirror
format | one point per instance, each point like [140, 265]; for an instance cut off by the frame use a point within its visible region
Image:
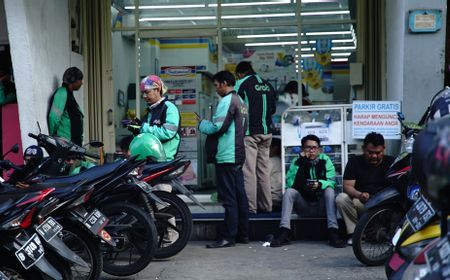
[14, 149]
[400, 116]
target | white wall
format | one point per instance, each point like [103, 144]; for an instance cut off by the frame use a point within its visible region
[40, 51]
[124, 70]
[415, 61]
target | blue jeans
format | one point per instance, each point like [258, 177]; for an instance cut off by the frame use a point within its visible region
[231, 193]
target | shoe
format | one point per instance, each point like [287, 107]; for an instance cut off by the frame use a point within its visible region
[221, 244]
[350, 240]
[335, 241]
[282, 239]
[242, 240]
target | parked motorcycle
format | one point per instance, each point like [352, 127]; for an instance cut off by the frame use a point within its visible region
[132, 230]
[383, 212]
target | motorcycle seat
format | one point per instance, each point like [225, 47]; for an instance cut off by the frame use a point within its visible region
[154, 167]
[90, 175]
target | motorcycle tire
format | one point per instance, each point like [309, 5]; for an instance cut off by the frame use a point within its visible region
[375, 230]
[11, 267]
[139, 235]
[59, 264]
[183, 224]
[85, 245]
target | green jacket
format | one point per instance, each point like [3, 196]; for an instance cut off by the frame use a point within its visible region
[301, 170]
[226, 131]
[65, 118]
[163, 121]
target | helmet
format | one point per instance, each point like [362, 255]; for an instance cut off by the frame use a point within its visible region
[440, 105]
[431, 162]
[153, 81]
[147, 146]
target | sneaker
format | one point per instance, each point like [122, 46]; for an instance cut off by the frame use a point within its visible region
[335, 240]
[350, 240]
[282, 239]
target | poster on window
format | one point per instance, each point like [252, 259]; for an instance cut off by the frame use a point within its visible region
[180, 81]
[376, 116]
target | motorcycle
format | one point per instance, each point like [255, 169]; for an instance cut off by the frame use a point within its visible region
[383, 212]
[174, 222]
[131, 229]
[22, 251]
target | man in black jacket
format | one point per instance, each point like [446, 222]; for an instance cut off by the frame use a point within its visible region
[259, 96]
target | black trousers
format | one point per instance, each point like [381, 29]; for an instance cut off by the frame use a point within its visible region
[231, 193]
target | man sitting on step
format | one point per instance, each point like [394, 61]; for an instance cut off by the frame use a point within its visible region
[311, 183]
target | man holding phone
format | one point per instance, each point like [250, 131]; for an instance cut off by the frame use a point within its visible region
[310, 185]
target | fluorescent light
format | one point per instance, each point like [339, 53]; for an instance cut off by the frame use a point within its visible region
[324, 13]
[269, 35]
[259, 16]
[177, 18]
[307, 55]
[341, 54]
[343, 40]
[250, 4]
[166, 7]
[273, 44]
[213, 17]
[344, 48]
[339, 59]
[328, 33]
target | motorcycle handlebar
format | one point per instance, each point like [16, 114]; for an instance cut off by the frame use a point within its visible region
[34, 136]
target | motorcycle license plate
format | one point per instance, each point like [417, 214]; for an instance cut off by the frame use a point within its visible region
[438, 255]
[420, 213]
[49, 229]
[95, 221]
[31, 252]
[144, 186]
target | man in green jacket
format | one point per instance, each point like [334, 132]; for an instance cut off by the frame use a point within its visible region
[310, 182]
[225, 147]
[163, 118]
[65, 118]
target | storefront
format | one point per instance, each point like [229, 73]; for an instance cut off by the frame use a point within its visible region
[186, 43]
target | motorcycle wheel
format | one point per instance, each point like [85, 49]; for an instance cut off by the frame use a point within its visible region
[59, 264]
[172, 221]
[85, 245]
[372, 243]
[11, 267]
[135, 235]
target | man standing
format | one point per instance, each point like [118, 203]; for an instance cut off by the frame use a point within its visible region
[364, 176]
[225, 147]
[65, 118]
[163, 117]
[259, 96]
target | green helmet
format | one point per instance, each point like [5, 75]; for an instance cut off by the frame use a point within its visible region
[146, 145]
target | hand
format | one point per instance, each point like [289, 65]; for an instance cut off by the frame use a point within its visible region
[22, 185]
[313, 184]
[364, 197]
[135, 129]
[136, 122]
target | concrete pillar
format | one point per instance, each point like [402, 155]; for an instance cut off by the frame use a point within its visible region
[415, 61]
